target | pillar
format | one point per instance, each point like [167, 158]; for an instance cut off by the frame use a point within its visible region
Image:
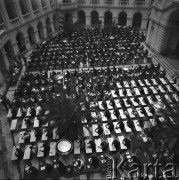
[101, 18]
[45, 31]
[88, 21]
[129, 21]
[36, 35]
[115, 20]
[19, 12]
[27, 42]
[1, 79]
[15, 47]
[6, 61]
[30, 8]
[144, 24]
[52, 27]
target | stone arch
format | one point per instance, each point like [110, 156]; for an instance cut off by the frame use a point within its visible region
[122, 18]
[94, 18]
[108, 19]
[20, 42]
[81, 17]
[137, 20]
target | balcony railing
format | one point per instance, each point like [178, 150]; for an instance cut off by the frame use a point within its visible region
[123, 3]
[37, 12]
[26, 16]
[2, 35]
[139, 3]
[14, 22]
[94, 2]
[70, 5]
[109, 3]
[2, 26]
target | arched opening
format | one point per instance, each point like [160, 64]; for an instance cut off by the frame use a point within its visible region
[68, 18]
[40, 31]
[24, 7]
[31, 35]
[20, 42]
[81, 17]
[11, 9]
[35, 5]
[9, 50]
[108, 19]
[94, 18]
[151, 35]
[173, 40]
[122, 19]
[48, 25]
[137, 20]
[55, 21]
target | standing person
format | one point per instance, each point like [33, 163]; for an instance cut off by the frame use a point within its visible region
[3, 101]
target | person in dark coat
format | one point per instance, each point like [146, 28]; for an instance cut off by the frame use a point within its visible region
[116, 144]
[99, 130]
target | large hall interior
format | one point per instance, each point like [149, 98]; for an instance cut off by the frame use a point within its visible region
[89, 89]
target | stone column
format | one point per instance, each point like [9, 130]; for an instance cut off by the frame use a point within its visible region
[30, 8]
[19, 12]
[144, 24]
[5, 59]
[45, 31]
[36, 35]
[15, 47]
[115, 20]
[52, 27]
[129, 21]
[101, 18]
[88, 21]
[27, 42]
[1, 79]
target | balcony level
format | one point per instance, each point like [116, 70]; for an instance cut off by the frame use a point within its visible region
[67, 6]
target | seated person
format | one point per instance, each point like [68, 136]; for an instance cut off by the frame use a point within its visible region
[50, 132]
[128, 101]
[31, 170]
[28, 122]
[92, 145]
[88, 116]
[19, 153]
[79, 163]
[99, 130]
[104, 104]
[141, 123]
[116, 144]
[116, 92]
[38, 134]
[112, 103]
[104, 145]
[126, 142]
[94, 161]
[32, 112]
[116, 112]
[121, 126]
[23, 112]
[26, 137]
[110, 126]
[145, 100]
[130, 124]
[125, 92]
[108, 114]
[136, 100]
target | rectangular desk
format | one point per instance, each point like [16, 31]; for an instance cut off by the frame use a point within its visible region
[163, 81]
[111, 147]
[83, 120]
[19, 114]
[147, 82]
[126, 84]
[137, 126]
[40, 152]
[77, 147]
[117, 130]
[153, 89]
[44, 135]
[126, 104]
[36, 123]
[94, 127]
[147, 109]
[21, 140]
[168, 98]
[158, 97]
[127, 128]
[123, 116]
[161, 89]
[9, 114]
[176, 97]
[103, 117]
[52, 149]
[154, 82]
[131, 114]
[139, 112]
[145, 90]
[87, 148]
[118, 85]
[108, 105]
[133, 102]
[113, 94]
[100, 105]
[13, 125]
[86, 132]
[141, 83]
[38, 109]
[176, 86]
[113, 117]
[118, 105]
[121, 138]
[32, 136]
[121, 93]
[106, 130]
[98, 145]
[141, 99]
[28, 112]
[14, 157]
[27, 152]
[137, 92]
[133, 83]
[150, 99]
[55, 135]
[169, 88]
[24, 126]
[94, 116]
[129, 94]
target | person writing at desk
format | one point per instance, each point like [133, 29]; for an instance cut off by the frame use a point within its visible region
[19, 153]
[130, 124]
[107, 114]
[46, 149]
[104, 145]
[27, 122]
[94, 161]
[26, 137]
[99, 130]
[79, 163]
[32, 112]
[116, 112]
[116, 144]
[121, 126]
[104, 104]
[38, 134]
[112, 103]
[126, 142]
[110, 126]
[92, 145]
